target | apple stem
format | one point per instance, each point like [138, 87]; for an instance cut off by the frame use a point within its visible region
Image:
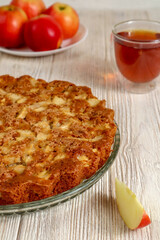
[10, 8]
[62, 8]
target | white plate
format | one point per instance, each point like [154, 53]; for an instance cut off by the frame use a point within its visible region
[66, 44]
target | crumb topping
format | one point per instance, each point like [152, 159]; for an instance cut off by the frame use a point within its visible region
[52, 137]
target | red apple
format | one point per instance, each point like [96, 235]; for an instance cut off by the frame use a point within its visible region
[12, 21]
[42, 33]
[67, 18]
[32, 7]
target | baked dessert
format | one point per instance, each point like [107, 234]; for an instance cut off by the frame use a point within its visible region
[52, 137]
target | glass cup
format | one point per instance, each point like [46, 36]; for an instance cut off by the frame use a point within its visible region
[136, 53]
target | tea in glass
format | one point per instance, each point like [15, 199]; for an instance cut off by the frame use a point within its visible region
[137, 53]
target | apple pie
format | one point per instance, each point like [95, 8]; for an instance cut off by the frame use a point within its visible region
[52, 137]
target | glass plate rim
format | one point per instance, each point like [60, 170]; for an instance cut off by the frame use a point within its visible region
[67, 195]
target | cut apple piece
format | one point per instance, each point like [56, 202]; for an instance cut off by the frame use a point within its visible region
[130, 209]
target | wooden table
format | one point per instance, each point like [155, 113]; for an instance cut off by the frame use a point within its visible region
[93, 215]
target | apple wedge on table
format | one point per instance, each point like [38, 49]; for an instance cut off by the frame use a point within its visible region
[130, 209]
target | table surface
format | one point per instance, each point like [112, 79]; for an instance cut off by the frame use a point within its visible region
[94, 215]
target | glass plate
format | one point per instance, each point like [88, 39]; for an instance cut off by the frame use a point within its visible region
[66, 44]
[65, 196]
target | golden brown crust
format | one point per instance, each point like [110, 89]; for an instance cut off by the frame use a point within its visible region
[52, 136]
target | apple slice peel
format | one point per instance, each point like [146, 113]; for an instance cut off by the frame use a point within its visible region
[130, 209]
[146, 220]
